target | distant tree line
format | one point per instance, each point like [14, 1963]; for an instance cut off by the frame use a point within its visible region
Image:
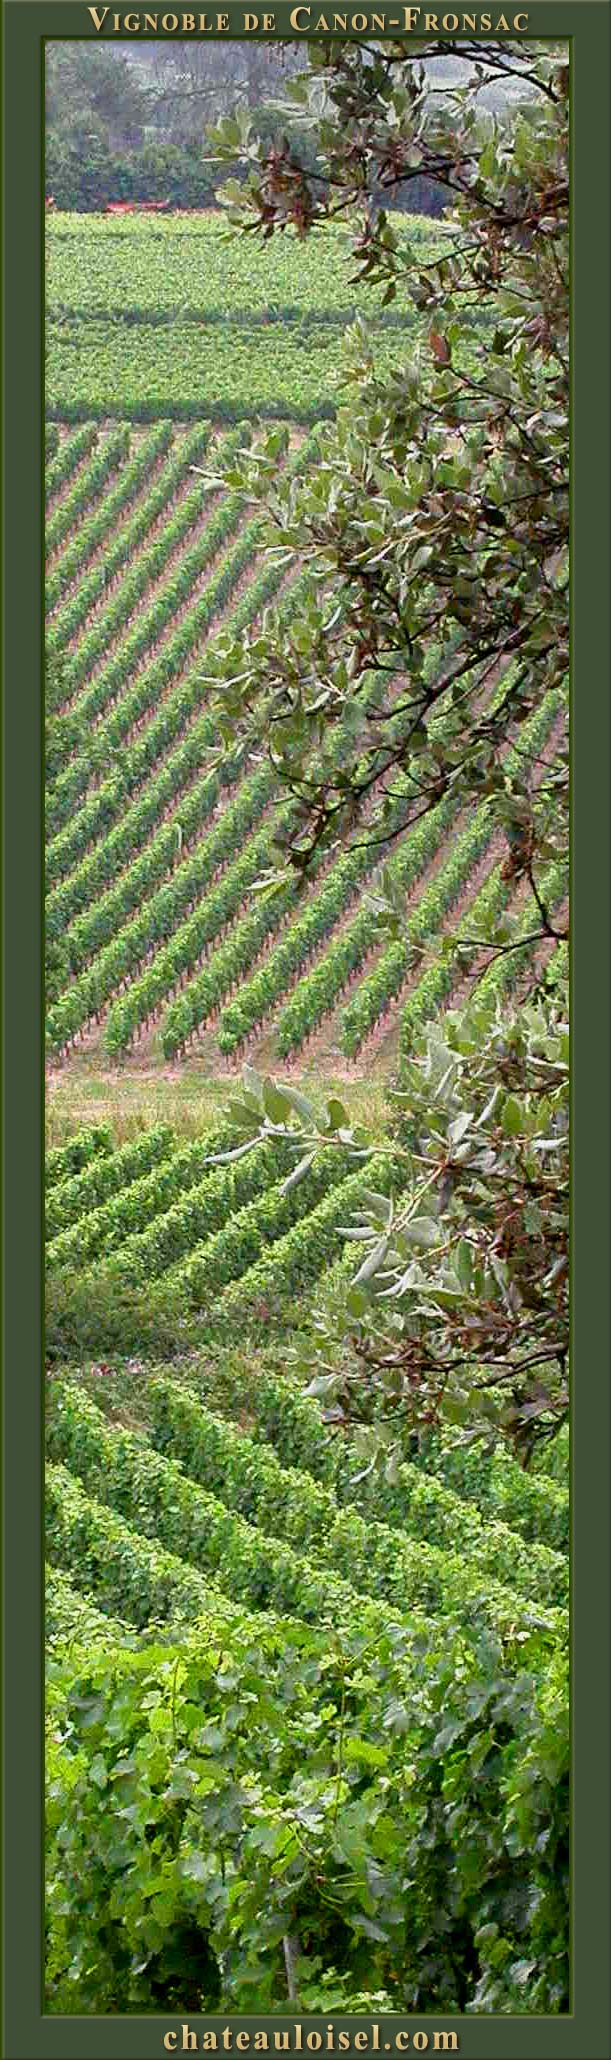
[131, 127]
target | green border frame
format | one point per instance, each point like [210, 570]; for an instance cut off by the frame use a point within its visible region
[27, 2034]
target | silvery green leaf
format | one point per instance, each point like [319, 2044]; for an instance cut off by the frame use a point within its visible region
[458, 1127]
[372, 1262]
[298, 1173]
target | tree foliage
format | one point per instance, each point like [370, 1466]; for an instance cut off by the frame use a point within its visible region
[126, 125]
[438, 514]
[457, 1311]
[435, 527]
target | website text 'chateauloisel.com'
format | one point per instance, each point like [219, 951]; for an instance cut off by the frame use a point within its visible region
[374, 2039]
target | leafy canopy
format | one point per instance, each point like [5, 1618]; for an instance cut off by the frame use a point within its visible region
[435, 528]
[436, 520]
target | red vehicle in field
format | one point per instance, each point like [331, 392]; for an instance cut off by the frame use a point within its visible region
[135, 207]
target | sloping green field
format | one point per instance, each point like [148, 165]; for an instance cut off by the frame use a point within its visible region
[174, 318]
[152, 848]
[299, 1674]
[302, 1713]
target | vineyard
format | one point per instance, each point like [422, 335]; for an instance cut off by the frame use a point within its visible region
[155, 318]
[306, 1731]
[152, 853]
[207, 1491]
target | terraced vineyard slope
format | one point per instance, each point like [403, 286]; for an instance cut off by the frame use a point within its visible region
[200, 1507]
[306, 1699]
[150, 318]
[154, 847]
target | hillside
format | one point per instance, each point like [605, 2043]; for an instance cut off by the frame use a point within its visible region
[262, 1649]
[153, 316]
[153, 849]
[306, 1703]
